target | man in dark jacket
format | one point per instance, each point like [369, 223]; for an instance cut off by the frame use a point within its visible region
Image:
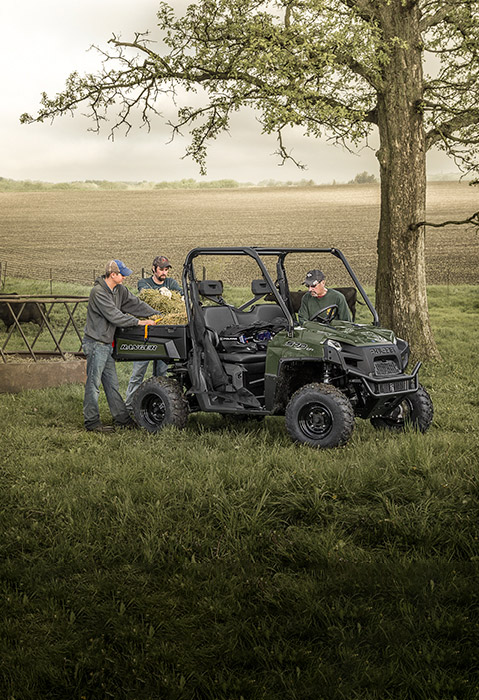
[110, 305]
[320, 297]
[160, 281]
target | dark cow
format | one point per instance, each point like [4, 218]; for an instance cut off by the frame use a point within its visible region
[350, 294]
[30, 314]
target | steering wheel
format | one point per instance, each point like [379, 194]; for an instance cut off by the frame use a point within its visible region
[332, 312]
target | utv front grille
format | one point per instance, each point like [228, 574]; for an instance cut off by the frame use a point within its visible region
[385, 367]
[394, 387]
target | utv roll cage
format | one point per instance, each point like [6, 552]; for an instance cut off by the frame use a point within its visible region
[279, 288]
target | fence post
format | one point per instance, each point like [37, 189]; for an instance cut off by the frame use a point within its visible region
[51, 281]
[94, 276]
[142, 272]
[1, 274]
[4, 273]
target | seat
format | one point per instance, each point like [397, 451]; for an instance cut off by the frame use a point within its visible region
[267, 312]
[219, 317]
[212, 289]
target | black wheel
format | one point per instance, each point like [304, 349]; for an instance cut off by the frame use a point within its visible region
[319, 415]
[415, 410]
[159, 402]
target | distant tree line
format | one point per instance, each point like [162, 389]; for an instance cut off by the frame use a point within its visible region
[363, 178]
[9, 185]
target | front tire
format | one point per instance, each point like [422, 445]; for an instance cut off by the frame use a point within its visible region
[319, 415]
[415, 411]
[159, 402]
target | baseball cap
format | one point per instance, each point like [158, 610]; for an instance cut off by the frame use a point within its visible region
[161, 261]
[118, 266]
[313, 277]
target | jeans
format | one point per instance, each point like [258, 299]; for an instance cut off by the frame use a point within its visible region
[101, 369]
[137, 376]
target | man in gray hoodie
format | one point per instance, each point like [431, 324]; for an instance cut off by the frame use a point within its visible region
[110, 305]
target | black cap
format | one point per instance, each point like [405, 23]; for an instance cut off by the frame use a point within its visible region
[313, 277]
[161, 261]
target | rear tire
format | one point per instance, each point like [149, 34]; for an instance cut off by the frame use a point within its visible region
[159, 402]
[319, 415]
[415, 411]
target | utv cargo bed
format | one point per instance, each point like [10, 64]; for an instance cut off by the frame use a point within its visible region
[151, 342]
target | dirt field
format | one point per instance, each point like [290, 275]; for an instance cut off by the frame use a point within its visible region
[74, 233]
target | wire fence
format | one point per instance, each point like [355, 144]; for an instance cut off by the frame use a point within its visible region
[15, 269]
[230, 269]
[443, 266]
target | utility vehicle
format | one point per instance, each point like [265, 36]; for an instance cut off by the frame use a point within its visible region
[254, 359]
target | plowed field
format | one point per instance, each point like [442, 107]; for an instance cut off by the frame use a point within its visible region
[74, 233]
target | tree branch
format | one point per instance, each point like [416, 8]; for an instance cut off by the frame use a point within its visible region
[474, 220]
[444, 131]
[363, 8]
[285, 154]
[434, 19]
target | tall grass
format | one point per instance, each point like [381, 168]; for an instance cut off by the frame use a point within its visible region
[225, 562]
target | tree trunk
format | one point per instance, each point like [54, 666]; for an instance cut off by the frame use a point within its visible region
[401, 298]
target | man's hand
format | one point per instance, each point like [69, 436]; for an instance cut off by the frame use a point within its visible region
[146, 322]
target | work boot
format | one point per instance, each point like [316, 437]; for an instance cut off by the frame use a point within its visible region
[131, 425]
[101, 429]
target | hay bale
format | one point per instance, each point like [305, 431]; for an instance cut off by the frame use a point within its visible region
[171, 308]
[175, 318]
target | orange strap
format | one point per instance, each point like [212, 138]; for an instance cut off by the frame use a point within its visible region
[146, 332]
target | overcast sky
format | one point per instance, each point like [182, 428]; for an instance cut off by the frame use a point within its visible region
[43, 41]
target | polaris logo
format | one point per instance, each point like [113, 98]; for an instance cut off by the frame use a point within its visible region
[127, 346]
[380, 351]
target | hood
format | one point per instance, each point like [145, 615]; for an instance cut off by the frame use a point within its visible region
[344, 332]
[101, 281]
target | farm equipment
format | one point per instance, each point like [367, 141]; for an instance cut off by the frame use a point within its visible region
[256, 360]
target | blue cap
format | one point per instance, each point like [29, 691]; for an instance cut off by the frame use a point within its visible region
[123, 269]
[118, 266]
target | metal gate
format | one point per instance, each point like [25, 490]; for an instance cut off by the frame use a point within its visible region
[56, 334]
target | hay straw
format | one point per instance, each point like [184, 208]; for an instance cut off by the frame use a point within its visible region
[172, 309]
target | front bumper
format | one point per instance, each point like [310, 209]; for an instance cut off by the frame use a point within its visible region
[381, 394]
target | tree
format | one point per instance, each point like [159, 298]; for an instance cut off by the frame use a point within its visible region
[363, 178]
[336, 67]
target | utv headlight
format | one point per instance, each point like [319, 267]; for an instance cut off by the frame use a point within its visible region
[334, 344]
[403, 348]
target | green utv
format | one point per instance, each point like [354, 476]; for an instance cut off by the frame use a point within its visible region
[253, 359]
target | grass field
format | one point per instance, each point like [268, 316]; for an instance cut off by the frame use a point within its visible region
[74, 233]
[223, 562]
